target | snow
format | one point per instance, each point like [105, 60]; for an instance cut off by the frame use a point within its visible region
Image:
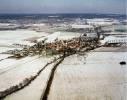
[115, 39]
[25, 43]
[35, 90]
[3, 56]
[82, 26]
[19, 34]
[4, 24]
[13, 71]
[17, 71]
[3, 49]
[60, 36]
[9, 38]
[102, 21]
[39, 25]
[97, 77]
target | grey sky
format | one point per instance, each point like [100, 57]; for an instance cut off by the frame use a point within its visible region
[63, 6]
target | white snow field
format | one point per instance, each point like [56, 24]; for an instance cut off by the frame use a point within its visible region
[35, 90]
[14, 72]
[8, 38]
[97, 77]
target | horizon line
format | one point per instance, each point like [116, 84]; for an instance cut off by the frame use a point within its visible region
[61, 13]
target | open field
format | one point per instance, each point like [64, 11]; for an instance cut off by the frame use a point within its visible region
[90, 76]
[111, 49]
[35, 89]
[98, 77]
[17, 37]
[18, 71]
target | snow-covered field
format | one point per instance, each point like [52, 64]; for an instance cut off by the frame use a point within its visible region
[4, 56]
[35, 90]
[13, 72]
[97, 77]
[93, 76]
[19, 34]
[3, 49]
[61, 35]
[7, 38]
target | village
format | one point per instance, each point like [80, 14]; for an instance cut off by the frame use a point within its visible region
[88, 36]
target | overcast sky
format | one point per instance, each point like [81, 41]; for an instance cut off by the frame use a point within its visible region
[63, 6]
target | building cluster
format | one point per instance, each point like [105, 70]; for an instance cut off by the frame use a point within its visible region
[57, 47]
